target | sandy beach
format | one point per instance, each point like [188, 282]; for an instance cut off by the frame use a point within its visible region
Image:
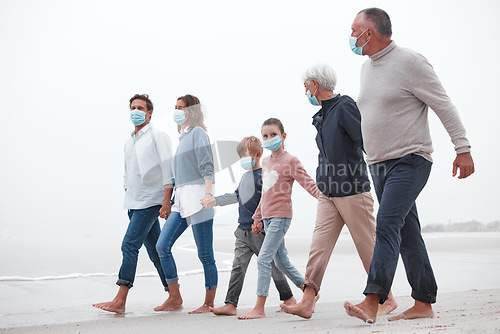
[467, 268]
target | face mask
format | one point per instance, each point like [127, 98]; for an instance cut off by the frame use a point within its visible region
[312, 99]
[179, 116]
[137, 117]
[352, 44]
[272, 144]
[247, 163]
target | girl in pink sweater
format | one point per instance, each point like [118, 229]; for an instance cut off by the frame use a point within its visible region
[274, 212]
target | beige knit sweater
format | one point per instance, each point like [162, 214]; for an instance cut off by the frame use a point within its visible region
[397, 88]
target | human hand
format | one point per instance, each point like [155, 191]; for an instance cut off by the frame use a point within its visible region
[165, 210]
[208, 201]
[465, 163]
[257, 226]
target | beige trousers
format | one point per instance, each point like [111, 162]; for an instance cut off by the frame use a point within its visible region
[356, 212]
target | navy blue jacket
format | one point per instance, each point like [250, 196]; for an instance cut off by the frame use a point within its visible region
[341, 166]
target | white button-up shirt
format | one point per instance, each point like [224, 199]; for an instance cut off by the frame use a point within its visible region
[148, 168]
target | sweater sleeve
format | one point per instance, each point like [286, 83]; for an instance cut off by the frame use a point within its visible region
[203, 153]
[226, 199]
[426, 86]
[300, 174]
[258, 212]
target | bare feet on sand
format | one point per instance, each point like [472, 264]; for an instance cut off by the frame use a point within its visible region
[253, 314]
[205, 308]
[171, 304]
[228, 309]
[419, 310]
[112, 306]
[288, 302]
[389, 305]
[304, 309]
[366, 310]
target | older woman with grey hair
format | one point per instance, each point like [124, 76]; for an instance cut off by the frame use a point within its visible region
[342, 178]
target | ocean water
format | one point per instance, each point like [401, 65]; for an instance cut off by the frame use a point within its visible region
[56, 280]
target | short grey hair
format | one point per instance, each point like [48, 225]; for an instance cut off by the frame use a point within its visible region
[324, 75]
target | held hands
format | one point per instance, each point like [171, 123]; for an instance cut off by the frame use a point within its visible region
[465, 163]
[257, 226]
[165, 210]
[208, 201]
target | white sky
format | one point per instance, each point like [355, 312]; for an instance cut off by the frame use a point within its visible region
[68, 68]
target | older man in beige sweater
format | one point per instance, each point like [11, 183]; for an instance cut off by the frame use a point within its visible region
[397, 88]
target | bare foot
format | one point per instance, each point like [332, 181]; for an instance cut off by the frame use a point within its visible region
[228, 309]
[113, 306]
[288, 302]
[171, 304]
[362, 311]
[304, 309]
[202, 309]
[387, 307]
[419, 310]
[253, 314]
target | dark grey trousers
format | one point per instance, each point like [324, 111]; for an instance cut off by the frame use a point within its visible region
[246, 245]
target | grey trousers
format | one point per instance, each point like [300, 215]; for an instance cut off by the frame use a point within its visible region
[246, 245]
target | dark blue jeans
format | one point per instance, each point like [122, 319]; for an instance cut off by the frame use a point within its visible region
[398, 182]
[143, 228]
[203, 237]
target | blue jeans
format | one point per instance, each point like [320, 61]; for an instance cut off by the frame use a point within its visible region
[398, 182]
[273, 247]
[143, 228]
[203, 237]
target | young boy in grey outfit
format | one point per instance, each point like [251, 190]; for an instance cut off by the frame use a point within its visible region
[247, 243]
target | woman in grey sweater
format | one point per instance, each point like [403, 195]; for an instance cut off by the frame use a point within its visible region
[194, 177]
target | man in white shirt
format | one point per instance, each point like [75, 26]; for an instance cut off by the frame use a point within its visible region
[148, 182]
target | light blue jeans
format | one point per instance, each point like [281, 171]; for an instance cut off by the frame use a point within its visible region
[274, 248]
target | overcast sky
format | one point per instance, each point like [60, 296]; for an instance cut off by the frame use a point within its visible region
[68, 69]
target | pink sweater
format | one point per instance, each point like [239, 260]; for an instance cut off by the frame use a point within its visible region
[278, 174]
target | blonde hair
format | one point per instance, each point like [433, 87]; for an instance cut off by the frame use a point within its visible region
[250, 143]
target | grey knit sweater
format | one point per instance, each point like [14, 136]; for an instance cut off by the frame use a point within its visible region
[397, 88]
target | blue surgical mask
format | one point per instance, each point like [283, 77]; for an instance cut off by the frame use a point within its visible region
[352, 44]
[137, 117]
[272, 144]
[312, 99]
[179, 116]
[247, 163]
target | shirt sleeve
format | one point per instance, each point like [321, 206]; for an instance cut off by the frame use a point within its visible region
[203, 153]
[426, 86]
[300, 174]
[165, 157]
[124, 169]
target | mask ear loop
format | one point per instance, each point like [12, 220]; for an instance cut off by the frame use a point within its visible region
[360, 36]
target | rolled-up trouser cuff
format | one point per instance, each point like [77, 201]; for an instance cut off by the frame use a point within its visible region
[374, 289]
[310, 283]
[126, 283]
[429, 297]
[231, 301]
[211, 287]
[172, 280]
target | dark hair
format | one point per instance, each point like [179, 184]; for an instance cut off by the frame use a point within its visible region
[144, 97]
[380, 19]
[193, 108]
[275, 121]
